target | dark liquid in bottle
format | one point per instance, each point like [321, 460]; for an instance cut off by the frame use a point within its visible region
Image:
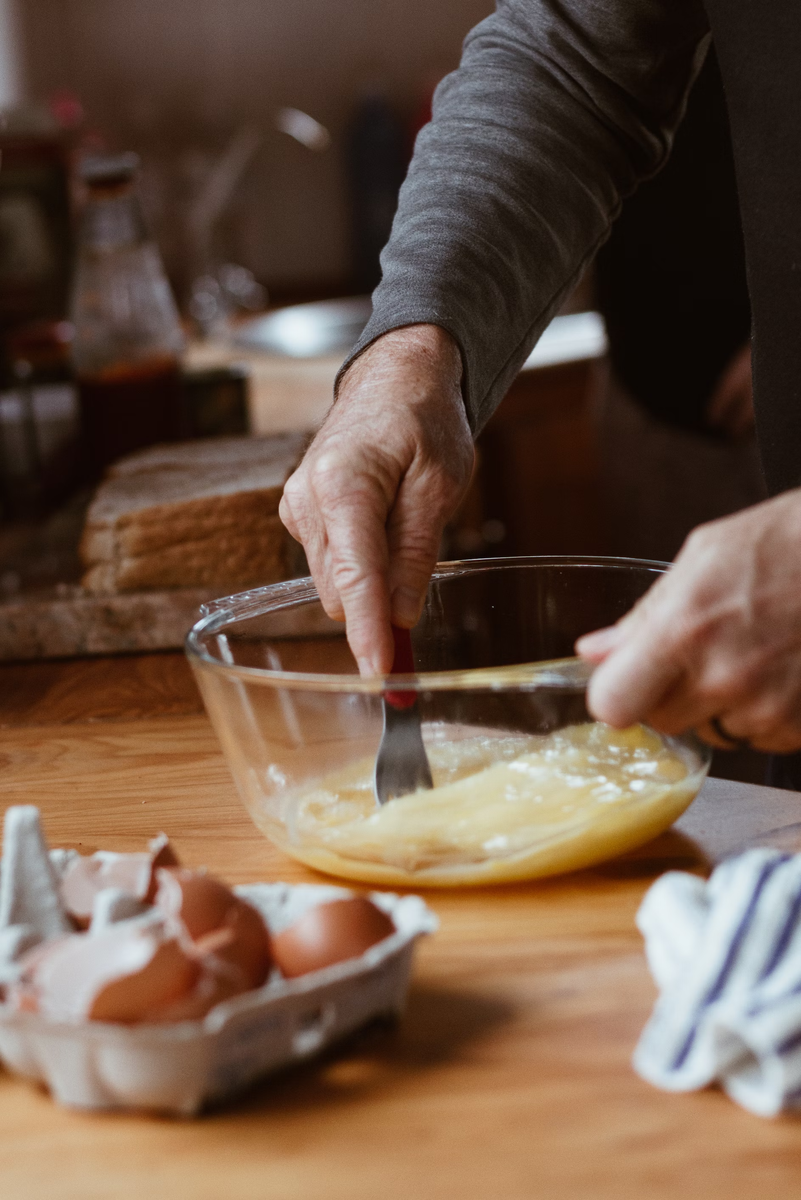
[127, 407]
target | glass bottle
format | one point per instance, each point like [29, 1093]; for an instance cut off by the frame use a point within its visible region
[128, 336]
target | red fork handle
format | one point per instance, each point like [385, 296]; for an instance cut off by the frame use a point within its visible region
[402, 664]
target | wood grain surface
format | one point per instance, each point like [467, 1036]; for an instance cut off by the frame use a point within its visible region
[97, 689]
[509, 1076]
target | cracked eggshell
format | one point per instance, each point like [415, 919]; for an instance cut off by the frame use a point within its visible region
[162, 855]
[125, 974]
[113, 905]
[217, 921]
[217, 982]
[85, 876]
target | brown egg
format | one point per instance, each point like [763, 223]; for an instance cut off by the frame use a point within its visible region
[329, 933]
[125, 974]
[217, 981]
[167, 976]
[206, 908]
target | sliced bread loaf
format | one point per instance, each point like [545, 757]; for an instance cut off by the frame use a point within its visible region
[192, 514]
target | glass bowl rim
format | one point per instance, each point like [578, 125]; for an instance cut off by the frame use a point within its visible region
[567, 673]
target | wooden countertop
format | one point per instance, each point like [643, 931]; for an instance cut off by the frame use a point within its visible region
[509, 1076]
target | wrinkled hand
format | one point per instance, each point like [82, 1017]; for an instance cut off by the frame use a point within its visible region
[380, 480]
[731, 407]
[718, 636]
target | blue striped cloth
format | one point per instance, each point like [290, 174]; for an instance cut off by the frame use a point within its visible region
[726, 955]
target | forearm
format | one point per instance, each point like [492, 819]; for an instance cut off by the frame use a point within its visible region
[554, 115]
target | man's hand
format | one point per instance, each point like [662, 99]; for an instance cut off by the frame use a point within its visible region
[378, 483]
[718, 636]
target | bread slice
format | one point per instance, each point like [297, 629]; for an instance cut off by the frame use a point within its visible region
[219, 452]
[192, 514]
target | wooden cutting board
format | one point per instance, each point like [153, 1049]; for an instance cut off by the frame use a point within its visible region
[73, 623]
[44, 613]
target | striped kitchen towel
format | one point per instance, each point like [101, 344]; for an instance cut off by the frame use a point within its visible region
[726, 955]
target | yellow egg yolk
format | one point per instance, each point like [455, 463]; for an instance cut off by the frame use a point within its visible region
[503, 807]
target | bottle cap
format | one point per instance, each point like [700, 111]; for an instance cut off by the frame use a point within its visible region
[108, 170]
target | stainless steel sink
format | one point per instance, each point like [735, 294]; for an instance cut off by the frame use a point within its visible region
[308, 330]
[332, 327]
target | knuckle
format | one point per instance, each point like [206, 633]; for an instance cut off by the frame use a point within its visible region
[290, 516]
[417, 539]
[414, 569]
[695, 629]
[338, 475]
[326, 473]
[725, 684]
[295, 491]
[704, 539]
[696, 540]
[440, 493]
[349, 576]
[418, 562]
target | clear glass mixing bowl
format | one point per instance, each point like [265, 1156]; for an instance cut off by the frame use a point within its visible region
[502, 703]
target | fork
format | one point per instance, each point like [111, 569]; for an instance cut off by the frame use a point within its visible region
[401, 765]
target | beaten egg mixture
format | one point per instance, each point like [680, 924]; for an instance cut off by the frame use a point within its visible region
[504, 807]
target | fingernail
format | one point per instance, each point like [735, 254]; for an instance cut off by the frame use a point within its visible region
[405, 606]
[366, 668]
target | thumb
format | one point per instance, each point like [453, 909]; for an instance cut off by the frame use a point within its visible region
[632, 681]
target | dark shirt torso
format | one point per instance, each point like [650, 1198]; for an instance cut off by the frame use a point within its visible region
[671, 279]
[759, 49]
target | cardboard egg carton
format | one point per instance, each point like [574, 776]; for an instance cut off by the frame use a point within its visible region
[178, 1068]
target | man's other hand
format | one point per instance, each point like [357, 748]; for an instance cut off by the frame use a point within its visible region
[718, 636]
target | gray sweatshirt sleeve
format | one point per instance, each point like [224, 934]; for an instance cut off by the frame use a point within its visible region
[558, 109]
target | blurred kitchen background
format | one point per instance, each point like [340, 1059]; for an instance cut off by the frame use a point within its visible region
[272, 141]
[177, 80]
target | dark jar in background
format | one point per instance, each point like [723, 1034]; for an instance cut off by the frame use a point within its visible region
[128, 336]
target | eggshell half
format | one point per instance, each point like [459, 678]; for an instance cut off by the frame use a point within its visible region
[22, 993]
[86, 876]
[205, 907]
[217, 981]
[329, 933]
[161, 855]
[168, 975]
[124, 975]
[135, 874]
